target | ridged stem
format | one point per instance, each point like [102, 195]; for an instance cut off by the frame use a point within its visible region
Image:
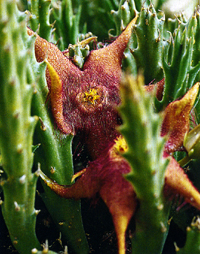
[141, 129]
[55, 156]
[16, 130]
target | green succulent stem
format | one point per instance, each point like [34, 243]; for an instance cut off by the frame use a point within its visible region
[148, 54]
[39, 18]
[177, 61]
[141, 129]
[67, 23]
[160, 48]
[192, 244]
[16, 130]
[55, 157]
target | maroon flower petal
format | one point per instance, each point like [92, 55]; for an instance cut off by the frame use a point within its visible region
[176, 119]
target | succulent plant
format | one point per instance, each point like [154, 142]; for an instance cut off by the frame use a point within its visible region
[16, 128]
[130, 103]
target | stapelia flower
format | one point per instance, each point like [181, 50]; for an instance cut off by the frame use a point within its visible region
[176, 125]
[85, 99]
[105, 174]
[176, 120]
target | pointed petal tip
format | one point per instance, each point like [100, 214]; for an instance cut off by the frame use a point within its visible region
[192, 93]
[176, 119]
[108, 59]
[177, 181]
[56, 97]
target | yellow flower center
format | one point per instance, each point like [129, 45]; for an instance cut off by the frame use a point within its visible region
[91, 97]
[119, 147]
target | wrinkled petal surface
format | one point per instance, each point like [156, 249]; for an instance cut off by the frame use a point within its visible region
[176, 119]
[178, 182]
[73, 108]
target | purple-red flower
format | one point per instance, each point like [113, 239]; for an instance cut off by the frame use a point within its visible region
[85, 100]
[105, 174]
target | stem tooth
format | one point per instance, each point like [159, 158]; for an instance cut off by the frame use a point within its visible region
[43, 127]
[45, 247]
[34, 251]
[163, 227]
[15, 242]
[66, 250]
[176, 247]
[2, 182]
[17, 207]
[160, 207]
[22, 179]
[19, 148]
[37, 173]
[37, 212]
[53, 170]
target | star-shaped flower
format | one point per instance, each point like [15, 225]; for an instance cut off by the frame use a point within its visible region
[85, 99]
[105, 174]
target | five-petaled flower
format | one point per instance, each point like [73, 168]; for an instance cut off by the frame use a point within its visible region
[105, 174]
[85, 100]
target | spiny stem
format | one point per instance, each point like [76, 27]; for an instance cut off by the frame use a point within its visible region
[16, 129]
